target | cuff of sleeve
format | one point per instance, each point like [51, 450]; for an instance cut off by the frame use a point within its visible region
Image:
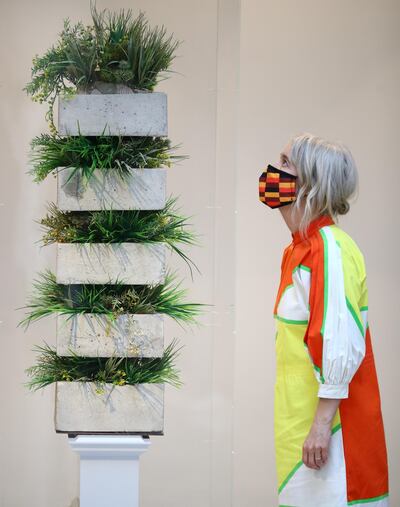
[333, 391]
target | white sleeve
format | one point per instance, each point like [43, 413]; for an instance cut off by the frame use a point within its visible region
[343, 326]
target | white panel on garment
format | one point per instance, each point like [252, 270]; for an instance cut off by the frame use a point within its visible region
[343, 342]
[293, 304]
[325, 487]
[364, 316]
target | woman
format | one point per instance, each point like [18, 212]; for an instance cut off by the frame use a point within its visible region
[329, 434]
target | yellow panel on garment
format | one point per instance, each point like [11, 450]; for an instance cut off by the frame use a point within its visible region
[296, 398]
[354, 274]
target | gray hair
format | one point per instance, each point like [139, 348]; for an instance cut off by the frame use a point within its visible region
[327, 177]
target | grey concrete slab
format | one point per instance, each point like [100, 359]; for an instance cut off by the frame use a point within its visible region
[127, 408]
[142, 189]
[126, 114]
[95, 335]
[131, 263]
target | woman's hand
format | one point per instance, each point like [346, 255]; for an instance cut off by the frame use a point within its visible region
[316, 445]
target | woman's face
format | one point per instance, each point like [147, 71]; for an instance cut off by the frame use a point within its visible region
[285, 163]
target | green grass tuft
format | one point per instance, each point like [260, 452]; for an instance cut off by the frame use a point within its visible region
[119, 226]
[84, 154]
[51, 367]
[115, 48]
[50, 298]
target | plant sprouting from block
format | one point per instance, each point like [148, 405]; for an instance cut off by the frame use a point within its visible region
[112, 299]
[85, 154]
[115, 48]
[50, 367]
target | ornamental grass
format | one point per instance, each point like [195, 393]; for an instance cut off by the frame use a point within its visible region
[50, 367]
[49, 298]
[115, 48]
[120, 226]
[85, 154]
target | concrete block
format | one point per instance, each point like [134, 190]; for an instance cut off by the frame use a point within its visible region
[97, 263]
[137, 408]
[143, 189]
[94, 335]
[125, 114]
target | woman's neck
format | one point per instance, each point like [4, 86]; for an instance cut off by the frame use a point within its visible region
[292, 223]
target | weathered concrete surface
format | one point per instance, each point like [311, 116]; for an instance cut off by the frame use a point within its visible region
[126, 114]
[131, 263]
[127, 408]
[143, 189]
[105, 87]
[94, 335]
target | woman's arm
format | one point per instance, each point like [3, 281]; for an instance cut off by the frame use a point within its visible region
[335, 334]
[315, 447]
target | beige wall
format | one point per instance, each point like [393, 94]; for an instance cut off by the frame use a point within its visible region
[252, 74]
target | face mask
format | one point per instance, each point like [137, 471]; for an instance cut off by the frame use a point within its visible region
[276, 187]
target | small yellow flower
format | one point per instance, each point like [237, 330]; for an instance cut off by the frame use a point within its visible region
[164, 220]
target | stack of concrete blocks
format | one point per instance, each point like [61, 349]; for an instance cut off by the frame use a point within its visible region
[79, 406]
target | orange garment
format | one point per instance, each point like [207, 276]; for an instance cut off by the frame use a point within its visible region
[323, 349]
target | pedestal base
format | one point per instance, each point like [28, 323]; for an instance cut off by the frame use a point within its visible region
[109, 468]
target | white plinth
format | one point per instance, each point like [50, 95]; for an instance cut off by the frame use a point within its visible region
[109, 469]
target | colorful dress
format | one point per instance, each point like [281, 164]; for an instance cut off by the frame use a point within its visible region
[323, 349]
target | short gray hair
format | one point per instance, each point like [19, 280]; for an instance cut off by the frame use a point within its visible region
[327, 177]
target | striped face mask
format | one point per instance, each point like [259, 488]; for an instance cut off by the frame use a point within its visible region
[276, 187]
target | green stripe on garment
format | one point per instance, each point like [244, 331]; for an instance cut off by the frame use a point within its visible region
[325, 278]
[289, 321]
[355, 317]
[298, 465]
[325, 290]
[283, 292]
[368, 500]
[301, 266]
[317, 368]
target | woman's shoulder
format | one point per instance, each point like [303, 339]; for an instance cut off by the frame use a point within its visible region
[337, 240]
